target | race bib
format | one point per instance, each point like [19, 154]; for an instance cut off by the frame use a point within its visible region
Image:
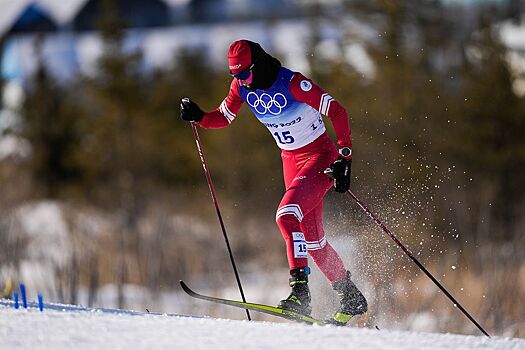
[299, 245]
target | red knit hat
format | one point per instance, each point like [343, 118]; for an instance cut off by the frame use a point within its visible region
[239, 56]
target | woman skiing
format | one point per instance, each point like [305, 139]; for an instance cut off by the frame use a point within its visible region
[290, 106]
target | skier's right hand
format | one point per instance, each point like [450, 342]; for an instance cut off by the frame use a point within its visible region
[190, 111]
[341, 173]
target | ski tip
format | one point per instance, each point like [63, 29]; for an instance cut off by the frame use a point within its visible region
[185, 287]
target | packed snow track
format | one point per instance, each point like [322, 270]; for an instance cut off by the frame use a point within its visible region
[66, 327]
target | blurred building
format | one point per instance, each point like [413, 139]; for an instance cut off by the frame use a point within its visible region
[69, 43]
[65, 31]
[63, 34]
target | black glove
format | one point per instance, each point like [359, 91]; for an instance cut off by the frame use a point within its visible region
[341, 171]
[190, 111]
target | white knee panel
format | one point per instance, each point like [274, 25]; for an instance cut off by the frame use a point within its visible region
[316, 245]
[290, 209]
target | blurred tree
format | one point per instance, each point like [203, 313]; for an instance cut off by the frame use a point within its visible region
[115, 124]
[50, 127]
[491, 123]
[2, 43]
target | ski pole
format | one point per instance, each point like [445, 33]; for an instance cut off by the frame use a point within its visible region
[214, 197]
[411, 256]
[414, 259]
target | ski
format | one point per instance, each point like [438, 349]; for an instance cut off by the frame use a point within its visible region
[266, 309]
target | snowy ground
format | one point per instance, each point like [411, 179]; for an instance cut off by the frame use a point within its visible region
[66, 327]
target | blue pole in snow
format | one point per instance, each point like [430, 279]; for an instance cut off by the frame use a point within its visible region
[24, 296]
[40, 302]
[15, 296]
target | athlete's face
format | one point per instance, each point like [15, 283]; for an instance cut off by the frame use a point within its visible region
[246, 83]
[245, 77]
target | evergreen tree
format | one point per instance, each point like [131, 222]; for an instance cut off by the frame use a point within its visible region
[50, 127]
[489, 141]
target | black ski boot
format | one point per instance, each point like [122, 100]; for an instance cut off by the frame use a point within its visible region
[299, 299]
[353, 302]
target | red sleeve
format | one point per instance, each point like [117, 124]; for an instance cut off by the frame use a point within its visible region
[304, 90]
[225, 114]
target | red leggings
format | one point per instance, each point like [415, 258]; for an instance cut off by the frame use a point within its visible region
[300, 214]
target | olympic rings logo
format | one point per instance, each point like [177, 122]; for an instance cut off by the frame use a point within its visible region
[266, 103]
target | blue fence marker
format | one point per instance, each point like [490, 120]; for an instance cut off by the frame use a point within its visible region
[15, 296]
[40, 302]
[24, 296]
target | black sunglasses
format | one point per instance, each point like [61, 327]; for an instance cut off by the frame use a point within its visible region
[243, 75]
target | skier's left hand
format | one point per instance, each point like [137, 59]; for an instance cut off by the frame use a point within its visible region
[341, 171]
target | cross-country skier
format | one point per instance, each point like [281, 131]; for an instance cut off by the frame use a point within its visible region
[290, 106]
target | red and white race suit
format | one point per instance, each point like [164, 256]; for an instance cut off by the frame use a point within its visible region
[291, 110]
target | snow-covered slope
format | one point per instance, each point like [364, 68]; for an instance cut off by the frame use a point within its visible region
[68, 327]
